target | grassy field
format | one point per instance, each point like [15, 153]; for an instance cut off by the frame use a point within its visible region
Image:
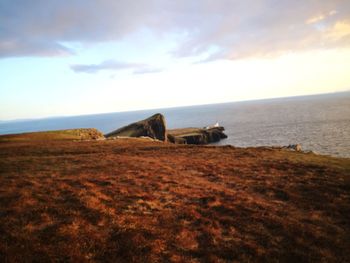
[132, 200]
[72, 134]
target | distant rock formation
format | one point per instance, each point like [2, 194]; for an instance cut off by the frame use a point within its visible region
[197, 135]
[176, 140]
[153, 127]
[295, 147]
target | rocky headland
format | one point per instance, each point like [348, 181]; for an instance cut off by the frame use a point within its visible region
[73, 196]
[197, 135]
[155, 128]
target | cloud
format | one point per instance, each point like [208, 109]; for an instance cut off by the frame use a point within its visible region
[105, 65]
[138, 68]
[37, 27]
[147, 70]
[318, 18]
[265, 30]
[315, 19]
[339, 31]
[233, 28]
[18, 48]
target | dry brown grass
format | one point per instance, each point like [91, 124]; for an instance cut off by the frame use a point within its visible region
[138, 201]
[71, 134]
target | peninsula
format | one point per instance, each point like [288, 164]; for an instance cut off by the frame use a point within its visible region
[74, 196]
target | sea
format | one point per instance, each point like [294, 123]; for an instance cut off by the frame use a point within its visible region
[320, 123]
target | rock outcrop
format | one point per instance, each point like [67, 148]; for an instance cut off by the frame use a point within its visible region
[295, 147]
[196, 135]
[153, 127]
[176, 140]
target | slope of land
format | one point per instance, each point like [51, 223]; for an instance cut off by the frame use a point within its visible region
[133, 200]
[71, 134]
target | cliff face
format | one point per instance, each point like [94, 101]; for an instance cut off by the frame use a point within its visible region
[153, 127]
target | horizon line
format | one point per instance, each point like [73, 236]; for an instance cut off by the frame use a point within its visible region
[173, 107]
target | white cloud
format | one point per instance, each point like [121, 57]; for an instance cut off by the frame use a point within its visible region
[339, 31]
[319, 18]
[234, 28]
[105, 65]
[315, 19]
[137, 68]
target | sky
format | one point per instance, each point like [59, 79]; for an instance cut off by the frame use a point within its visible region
[61, 58]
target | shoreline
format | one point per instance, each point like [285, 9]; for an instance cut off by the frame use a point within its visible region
[55, 135]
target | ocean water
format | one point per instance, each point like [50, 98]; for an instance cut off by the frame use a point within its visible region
[320, 123]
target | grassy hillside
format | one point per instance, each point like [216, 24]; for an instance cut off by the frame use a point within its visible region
[142, 201]
[72, 134]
